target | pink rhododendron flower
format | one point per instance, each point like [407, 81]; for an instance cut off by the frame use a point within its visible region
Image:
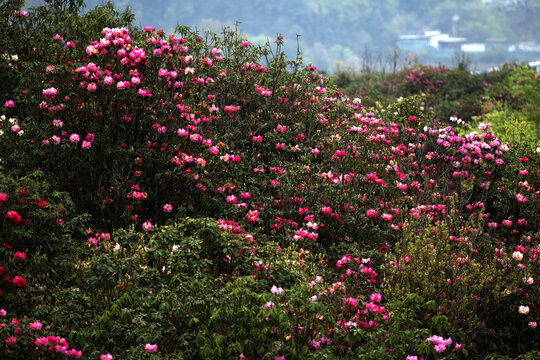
[275, 290]
[74, 138]
[167, 208]
[20, 256]
[524, 310]
[10, 341]
[376, 297]
[147, 226]
[269, 305]
[19, 281]
[13, 216]
[35, 326]
[326, 210]
[9, 104]
[371, 213]
[245, 43]
[106, 357]
[151, 348]
[91, 87]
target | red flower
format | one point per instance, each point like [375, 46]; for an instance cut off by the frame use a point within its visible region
[13, 216]
[18, 281]
[20, 256]
[42, 204]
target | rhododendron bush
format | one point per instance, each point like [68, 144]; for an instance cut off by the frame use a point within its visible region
[194, 195]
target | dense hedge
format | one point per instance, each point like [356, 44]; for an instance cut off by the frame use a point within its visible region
[195, 196]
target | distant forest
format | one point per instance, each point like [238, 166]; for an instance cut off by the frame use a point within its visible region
[342, 30]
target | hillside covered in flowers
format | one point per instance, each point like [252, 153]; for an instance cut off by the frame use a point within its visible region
[188, 196]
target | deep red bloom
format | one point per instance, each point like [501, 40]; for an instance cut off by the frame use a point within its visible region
[19, 281]
[42, 203]
[20, 256]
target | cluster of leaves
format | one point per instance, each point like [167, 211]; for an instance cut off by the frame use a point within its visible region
[215, 199]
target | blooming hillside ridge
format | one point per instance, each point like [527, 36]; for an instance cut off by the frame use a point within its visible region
[174, 196]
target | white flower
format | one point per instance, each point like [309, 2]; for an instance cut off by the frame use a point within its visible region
[523, 310]
[14, 58]
[517, 256]
[116, 247]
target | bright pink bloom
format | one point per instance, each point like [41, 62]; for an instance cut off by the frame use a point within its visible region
[9, 104]
[86, 145]
[20, 256]
[147, 226]
[91, 87]
[10, 341]
[245, 43]
[167, 208]
[326, 210]
[13, 216]
[245, 195]
[507, 223]
[74, 138]
[371, 213]
[106, 357]
[35, 326]
[150, 348]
